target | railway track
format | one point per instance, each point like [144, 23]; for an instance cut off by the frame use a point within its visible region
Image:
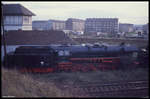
[119, 89]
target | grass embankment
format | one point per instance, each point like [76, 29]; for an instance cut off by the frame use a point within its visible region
[95, 76]
[43, 85]
[23, 85]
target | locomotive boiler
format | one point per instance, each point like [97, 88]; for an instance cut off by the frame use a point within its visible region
[57, 58]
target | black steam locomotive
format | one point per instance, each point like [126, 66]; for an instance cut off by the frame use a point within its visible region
[56, 58]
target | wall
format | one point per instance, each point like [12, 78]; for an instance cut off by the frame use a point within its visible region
[104, 25]
[41, 25]
[58, 25]
[75, 25]
[13, 20]
[126, 28]
[13, 27]
[16, 22]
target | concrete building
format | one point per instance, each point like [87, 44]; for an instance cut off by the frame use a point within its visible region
[57, 24]
[126, 28]
[48, 25]
[103, 25]
[138, 27]
[17, 17]
[146, 28]
[75, 25]
[41, 25]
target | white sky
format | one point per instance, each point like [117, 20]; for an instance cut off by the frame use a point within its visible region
[127, 12]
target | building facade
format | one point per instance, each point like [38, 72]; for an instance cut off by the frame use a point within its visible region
[103, 25]
[126, 28]
[57, 24]
[146, 28]
[75, 25]
[41, 25]
[17, 17]
[48, 25]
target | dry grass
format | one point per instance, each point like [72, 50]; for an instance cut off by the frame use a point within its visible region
[23, 85]
[94, 76]
[43, 85]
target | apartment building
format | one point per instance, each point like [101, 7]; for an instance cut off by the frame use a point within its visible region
[48, 25]
[146, 28]
[41, 25]
[125, 27]
[57, 24]
[75, 25]
[101, 25]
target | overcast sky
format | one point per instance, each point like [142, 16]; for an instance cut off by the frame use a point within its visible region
[127, 12]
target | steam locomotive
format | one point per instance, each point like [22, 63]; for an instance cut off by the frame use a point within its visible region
[57, 58]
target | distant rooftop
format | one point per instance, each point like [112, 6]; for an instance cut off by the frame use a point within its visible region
[39, 21]
[45, 21]
[74, 19]
[125, 24]
[56, 20]
[16, 9]
[101, 18]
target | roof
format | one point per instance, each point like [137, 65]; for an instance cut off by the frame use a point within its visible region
[51, 20]
[40, 21]
[126, 24]
[36, 37]
[74, 19]
[97, 19]
[16, 9]
[46, 21]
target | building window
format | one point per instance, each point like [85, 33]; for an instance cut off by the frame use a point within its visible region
[6, 18]
[26, 19]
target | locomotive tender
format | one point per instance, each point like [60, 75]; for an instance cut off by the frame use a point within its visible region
[55, 58]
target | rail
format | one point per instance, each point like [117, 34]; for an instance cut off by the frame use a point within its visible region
[117, 89]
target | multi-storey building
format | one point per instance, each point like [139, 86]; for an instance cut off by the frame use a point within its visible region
[41, 25]
[124, 27]
[103, 25]
[17, 17]
[75, 25]
[146, 28]
[48, 25]
[57, 24]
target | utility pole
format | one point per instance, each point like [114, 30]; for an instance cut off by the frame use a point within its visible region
[3, 36]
